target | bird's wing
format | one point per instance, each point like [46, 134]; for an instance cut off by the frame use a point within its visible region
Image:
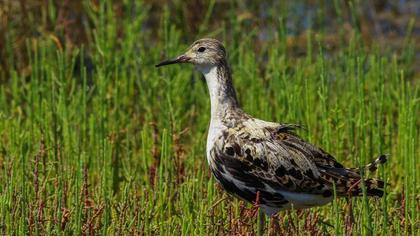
[347, 181]
[268, 156]
[265, 155]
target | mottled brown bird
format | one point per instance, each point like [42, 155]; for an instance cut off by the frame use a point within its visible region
[251, 157]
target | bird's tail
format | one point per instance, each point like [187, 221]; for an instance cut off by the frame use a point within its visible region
[374, 187]
[348, 181]
[373, 166]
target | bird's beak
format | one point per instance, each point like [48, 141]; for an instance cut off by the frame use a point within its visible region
[180, 59]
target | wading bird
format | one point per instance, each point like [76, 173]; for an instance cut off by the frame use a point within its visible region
[264, 161]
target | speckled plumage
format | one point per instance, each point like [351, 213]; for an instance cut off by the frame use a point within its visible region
[251, 157]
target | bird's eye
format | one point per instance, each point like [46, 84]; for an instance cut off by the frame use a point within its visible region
[201, 49]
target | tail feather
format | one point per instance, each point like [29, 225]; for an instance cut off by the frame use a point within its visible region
[375, 187]
[348, 181]
[354, 188]
[373, 166]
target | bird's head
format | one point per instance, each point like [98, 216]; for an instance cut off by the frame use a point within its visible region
[202, 53]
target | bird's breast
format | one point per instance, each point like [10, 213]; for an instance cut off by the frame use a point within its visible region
[215, 134]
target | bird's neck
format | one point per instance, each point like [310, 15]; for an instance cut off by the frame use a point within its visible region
[222, 93]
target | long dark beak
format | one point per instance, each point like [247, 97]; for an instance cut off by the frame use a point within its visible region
[180, 59]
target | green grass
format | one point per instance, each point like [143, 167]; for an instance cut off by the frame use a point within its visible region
[121, 149]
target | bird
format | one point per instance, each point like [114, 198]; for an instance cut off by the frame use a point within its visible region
[267, 162]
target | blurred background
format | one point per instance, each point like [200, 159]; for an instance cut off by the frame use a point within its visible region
[73, 23]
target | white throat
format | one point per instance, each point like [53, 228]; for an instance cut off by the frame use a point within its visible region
[214, 86]
[216, 124]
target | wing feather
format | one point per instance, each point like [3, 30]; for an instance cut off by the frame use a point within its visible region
[260, 155]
